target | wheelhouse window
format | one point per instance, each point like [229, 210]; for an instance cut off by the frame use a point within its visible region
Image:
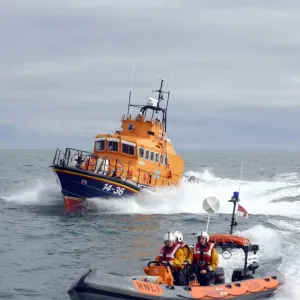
[113, 145]
[100, 145]
[166, 160]
[147, 154]
[152, 155]
[157, 157]
[128, 148]
[161, 159]
[141, 152]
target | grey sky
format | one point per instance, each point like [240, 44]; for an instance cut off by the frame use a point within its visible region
[66, 67]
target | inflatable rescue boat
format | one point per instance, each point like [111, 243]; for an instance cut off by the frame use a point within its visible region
[158, 281]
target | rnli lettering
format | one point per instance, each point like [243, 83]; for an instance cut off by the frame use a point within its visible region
[148, 288]
[254, 286]
[212, 292]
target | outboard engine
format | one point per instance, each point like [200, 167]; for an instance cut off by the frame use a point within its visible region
[238, 274]
[252, 267]
[220, 275]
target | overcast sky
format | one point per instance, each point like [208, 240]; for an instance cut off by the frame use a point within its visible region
[65, 70]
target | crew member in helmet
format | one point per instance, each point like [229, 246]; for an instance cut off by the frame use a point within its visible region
[171, 252]
[183, 275]
[205, 256]
[184, 246]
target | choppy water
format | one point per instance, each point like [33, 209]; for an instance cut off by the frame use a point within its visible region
[43, 250]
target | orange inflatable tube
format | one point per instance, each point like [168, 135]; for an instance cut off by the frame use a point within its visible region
[234, 289]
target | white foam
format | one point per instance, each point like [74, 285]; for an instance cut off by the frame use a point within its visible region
[290, 269]
[269, 240]
[256, 197]
[41, 192]
[287, 177]
[279, 244]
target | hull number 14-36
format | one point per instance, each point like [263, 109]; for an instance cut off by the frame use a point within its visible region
[116, 190]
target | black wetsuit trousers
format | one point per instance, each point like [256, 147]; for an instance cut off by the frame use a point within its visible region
[207, 278]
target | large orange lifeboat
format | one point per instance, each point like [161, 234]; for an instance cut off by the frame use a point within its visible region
[123, 163]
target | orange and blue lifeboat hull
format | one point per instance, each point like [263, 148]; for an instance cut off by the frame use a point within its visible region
[78, 185]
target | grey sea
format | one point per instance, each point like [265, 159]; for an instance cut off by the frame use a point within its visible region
[43, 250]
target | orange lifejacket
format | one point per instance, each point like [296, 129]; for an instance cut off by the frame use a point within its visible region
[168, 254]
[92, 164]
[84, 165]
[202, 256]
[170, 174]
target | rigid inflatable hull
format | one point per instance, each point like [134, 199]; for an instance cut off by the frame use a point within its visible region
[96, 285]
[78, 185]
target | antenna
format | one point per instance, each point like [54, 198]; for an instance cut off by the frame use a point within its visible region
[211, 205]
[131, 85]
[241, 177]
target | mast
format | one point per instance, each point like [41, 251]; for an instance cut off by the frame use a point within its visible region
[160, 98]
[234, 200]
[153, 106]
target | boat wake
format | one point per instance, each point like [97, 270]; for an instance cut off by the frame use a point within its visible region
[258, 197]
[41, 193]
[277, 237]
[278, 196]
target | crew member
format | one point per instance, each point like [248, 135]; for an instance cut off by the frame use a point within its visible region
[205, 256]
[172, 254]
[139, 117]
[184, 246]
[92, 163]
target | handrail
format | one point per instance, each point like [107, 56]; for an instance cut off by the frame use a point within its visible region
[63, 159]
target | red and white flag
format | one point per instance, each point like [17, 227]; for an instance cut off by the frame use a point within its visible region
[241, 211]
